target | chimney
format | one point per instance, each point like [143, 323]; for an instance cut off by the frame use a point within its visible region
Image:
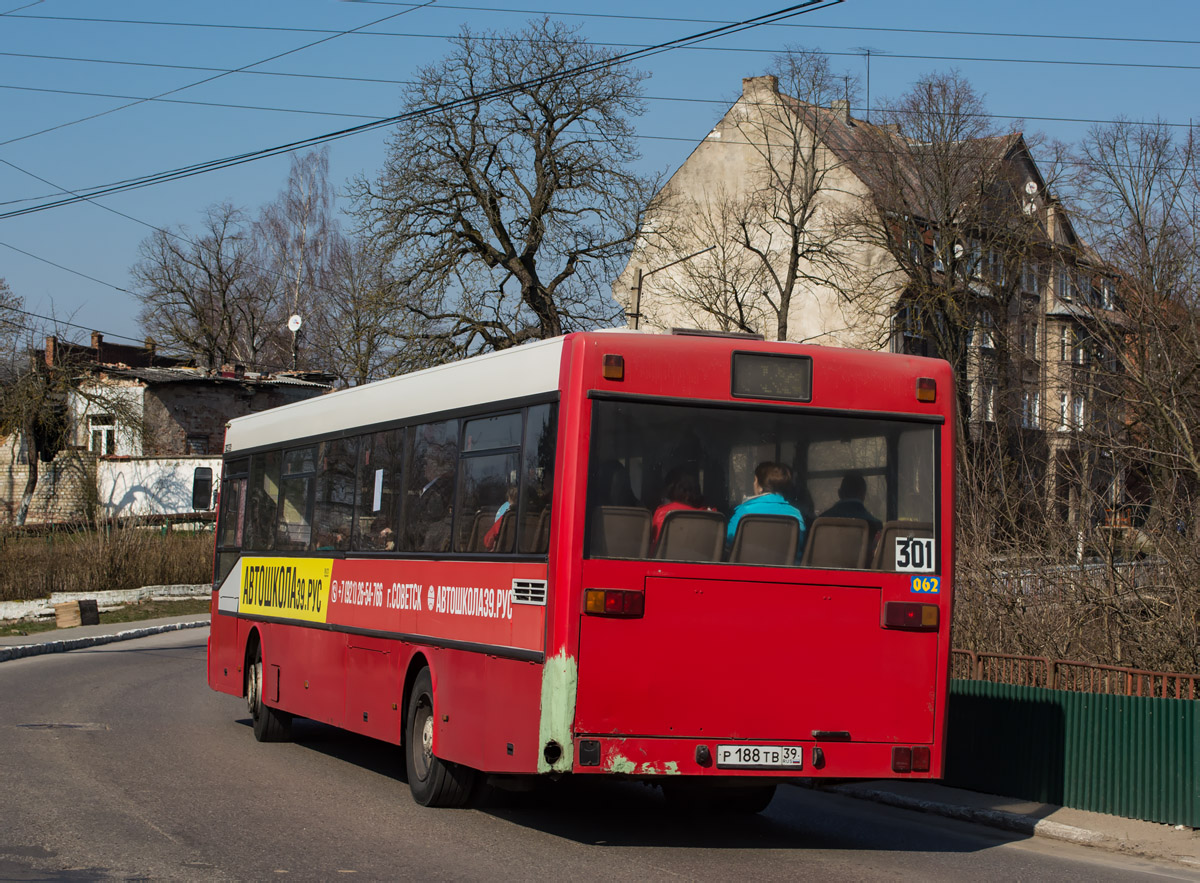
[841, 109]
[764, 89]
[97, 339]
[51, 345]
[151, 346]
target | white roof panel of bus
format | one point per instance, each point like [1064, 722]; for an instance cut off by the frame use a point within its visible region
[510, 374]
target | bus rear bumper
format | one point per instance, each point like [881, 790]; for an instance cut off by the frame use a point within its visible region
[650, 758]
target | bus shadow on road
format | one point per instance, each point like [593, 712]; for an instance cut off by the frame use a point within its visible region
[611, 812]
[379, 757]
[619, 813]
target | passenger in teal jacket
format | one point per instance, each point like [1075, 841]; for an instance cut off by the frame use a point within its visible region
[770, 481]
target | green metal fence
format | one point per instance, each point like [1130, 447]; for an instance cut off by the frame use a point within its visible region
[1132, 756]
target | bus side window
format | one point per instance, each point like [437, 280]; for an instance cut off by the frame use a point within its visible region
[377, 504]
[486, 513]
[294, 529]
[537, 480]
[333, 513]
[429, 487]
[262, 501]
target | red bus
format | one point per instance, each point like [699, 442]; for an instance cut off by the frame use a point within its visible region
[708, 561]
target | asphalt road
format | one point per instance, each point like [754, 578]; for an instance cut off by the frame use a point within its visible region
[118, 762]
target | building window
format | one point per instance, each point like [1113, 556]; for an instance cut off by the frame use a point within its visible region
[982, 334]
[995, 266]
[202, 487]
[1029, 277]
[1029, 338]
[1062, 284]
[1108, 294]
[197, 444]
[1064, 412]
[1078, 411]
[987, 402]
[1030, 409]
[1084, 288]
[102, 434]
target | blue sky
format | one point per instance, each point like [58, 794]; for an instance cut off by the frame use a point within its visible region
[1062, 61]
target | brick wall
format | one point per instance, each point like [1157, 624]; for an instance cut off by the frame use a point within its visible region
[175, 411]
[66, 488]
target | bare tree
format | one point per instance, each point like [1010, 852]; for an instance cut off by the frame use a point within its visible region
[198, 295]
[944, 203]
[363, 330]
[714, 280]
[295, 236]
[510, 197]
[784, 222]
[771, 233]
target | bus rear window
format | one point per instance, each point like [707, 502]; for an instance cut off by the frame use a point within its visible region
[681, 482]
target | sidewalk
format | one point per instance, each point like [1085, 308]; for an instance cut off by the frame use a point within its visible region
[1130, 836]
[1113, 833]
[61, 640]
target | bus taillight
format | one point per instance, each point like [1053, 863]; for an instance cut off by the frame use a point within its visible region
[614, 367]
[926, 389]
[614, 602]
[909, 615]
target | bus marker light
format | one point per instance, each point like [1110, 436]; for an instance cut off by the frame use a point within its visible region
[614, 602]
[926, 389]
[910, 615]
[614, 367]
[902, 760]
[920, 759]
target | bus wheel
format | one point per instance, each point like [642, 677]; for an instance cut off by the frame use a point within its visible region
[433, 782]
[270, 725]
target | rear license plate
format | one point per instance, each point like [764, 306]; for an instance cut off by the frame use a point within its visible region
[789, 757]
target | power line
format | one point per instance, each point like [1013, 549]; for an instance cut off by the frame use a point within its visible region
[598, 15]
[64, 268]
[599, 64]
[214, 77]
[138, 99]
[194, 67]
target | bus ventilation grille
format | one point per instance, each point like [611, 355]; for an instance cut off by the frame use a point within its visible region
[529, 591]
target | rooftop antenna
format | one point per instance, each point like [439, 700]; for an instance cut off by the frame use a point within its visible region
[867, 50]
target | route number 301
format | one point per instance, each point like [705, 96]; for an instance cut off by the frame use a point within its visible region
[914, 554]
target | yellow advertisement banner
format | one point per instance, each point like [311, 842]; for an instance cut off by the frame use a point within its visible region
[290, 588]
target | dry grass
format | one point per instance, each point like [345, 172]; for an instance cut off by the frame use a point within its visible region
[100, 560]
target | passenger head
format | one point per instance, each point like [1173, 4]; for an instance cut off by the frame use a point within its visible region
[683, 487]
[773, 478]
[853, 487]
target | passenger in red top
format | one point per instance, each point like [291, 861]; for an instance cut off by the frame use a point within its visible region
[682, 491]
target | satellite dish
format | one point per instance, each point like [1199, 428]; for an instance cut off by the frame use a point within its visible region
[294, 323]
[1031, 187]
[958, 250]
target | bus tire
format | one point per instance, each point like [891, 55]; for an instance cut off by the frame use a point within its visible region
[433, 782]
[270, 724]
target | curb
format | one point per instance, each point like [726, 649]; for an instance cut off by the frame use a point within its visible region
[23, 650]
[995, 818]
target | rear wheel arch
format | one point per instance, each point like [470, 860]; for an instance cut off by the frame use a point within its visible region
[416, 665]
